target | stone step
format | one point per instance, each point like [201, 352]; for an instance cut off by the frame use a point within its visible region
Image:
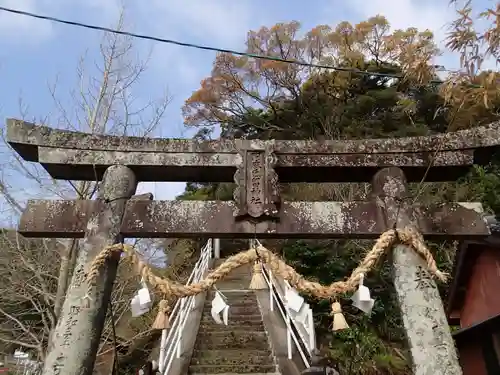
[218, 262]
[233, 285]
[218, 340]
[231, 357]
[241, 347]
[239, 292]
[237, 275]
[243, 281]
[242, 334]
[240, 271]
[207, 317]
[247, 320]
[236, 369]
[235, 327]
[237, 310]
[233, 323]
[241, 298]
[233, 275]
[235, 293]
[235, 320]
[235, 302]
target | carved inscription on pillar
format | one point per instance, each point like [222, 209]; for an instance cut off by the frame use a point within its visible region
[256, 194]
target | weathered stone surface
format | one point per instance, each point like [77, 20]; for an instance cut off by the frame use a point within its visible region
[429, 339]
[144, 196]
[79, 156]
[65, 219]
[232, 370]
[163, 219]
[20, 133]
[231, 357]
[51, 155]
[77, 335]
[246, 323]
[27, 136]
[191, 167]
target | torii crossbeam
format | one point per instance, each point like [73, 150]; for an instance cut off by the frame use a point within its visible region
[79, 156]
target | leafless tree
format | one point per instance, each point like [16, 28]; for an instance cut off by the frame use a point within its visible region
[101, 103]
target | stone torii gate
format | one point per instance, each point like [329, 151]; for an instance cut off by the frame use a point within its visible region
[257, 210]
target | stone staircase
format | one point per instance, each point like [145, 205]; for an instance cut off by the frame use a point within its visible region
[242, 347]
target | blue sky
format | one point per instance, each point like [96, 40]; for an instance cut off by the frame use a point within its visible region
[35, 54]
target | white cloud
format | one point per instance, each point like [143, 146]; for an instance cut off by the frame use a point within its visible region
[215, 23]
[218, 21]
[409, 13]
[223, 21]
[28, 30]
[108, 9]
[14, 27]
[423, 14]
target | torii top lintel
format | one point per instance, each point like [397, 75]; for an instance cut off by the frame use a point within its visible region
[81, 156]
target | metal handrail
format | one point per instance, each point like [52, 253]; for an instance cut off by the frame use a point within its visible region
[310, 324]
[293, 327]
[171, 339]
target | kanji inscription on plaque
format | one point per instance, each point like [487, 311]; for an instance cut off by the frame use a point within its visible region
[256, 194]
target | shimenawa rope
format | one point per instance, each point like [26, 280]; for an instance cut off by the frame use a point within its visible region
[169, 288]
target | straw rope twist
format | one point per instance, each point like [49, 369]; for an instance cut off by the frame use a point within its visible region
[99, 261]
[163, 307]
[169, 288]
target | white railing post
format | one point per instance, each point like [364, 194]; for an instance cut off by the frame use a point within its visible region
[311, 332]
[171, 342]
[163, 348]
[252, 243]
[277, 298]
[271, 292]
[288, 334]
[184, 314]
[216, 246]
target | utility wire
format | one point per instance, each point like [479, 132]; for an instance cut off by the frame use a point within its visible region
[206, 48]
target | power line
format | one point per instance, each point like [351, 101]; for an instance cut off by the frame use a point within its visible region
[206, 48]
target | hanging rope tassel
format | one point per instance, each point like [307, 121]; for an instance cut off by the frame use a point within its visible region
[162, 320]
[258, 282]
[339, 322]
